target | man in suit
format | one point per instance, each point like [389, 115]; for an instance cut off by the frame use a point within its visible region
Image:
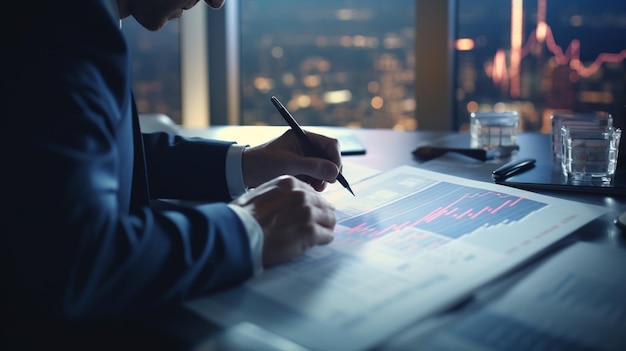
[82, 237]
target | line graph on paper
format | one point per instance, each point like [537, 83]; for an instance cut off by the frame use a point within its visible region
[449, 210]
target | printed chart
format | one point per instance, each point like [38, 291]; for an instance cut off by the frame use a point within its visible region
[447, 209]
[410, 244]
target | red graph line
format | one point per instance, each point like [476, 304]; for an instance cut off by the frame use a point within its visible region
[450, 210]
[503, 75]
[517, 201]
[475, 215]
[466, 213]
[571, 55]
[501, 206]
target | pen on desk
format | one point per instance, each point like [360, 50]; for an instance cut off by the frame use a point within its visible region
[309, 148]
[511, 169]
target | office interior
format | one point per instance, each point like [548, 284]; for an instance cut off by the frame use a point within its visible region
[420, 82]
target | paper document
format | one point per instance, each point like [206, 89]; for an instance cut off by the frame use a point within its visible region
[410, 244]
[354, 173]
[574, 301]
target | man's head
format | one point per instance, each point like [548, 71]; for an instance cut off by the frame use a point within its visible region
[154, 14]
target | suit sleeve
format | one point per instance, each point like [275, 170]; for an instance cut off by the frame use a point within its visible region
[70, 246]
[186, 168]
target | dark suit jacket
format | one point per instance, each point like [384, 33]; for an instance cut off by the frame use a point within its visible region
[79, 238]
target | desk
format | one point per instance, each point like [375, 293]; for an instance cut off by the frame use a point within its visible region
[388, 149]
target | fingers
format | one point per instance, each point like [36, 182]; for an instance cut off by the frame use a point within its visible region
[328, 146]
[293, 216]
[313, 168]
[305, 220]
[318, 185]
[284, 155]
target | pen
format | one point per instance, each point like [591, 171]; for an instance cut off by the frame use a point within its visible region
[511, 169]
[309, 148]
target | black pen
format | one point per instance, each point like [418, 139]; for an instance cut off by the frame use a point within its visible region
[511, 169]
[309, 148]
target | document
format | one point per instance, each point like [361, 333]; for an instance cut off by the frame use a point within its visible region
[410, 244]
[574, 301]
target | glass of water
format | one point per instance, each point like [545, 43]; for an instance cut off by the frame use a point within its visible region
[590, 153]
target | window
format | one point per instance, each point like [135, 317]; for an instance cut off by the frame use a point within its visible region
[368, 64]
[334, 62]
[371, 83]
[538, 56]
[156, 68]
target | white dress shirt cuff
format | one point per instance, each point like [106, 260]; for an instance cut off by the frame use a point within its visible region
[236, 187]
[234, 172]
[255, 236]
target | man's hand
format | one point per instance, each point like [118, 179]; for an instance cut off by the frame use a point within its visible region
[293, 216]
[284, 155]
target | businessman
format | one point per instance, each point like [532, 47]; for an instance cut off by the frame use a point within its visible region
[85, 234]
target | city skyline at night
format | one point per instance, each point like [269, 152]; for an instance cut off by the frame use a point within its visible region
[332, 62]
[352, 63]
[547, 56]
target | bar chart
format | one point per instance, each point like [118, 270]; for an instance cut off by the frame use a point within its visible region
[447, 209]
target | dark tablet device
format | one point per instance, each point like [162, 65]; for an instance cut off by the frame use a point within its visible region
[546, 173]
[550, 177]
